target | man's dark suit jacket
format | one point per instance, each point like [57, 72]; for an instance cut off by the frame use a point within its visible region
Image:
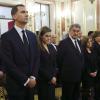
[70, 61]
[18, 67]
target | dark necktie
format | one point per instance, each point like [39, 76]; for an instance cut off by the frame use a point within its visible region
[25, 41]
[26, 44]
[76, 45]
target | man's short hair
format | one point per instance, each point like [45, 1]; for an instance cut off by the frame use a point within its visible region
[15, 9]
[74, 25]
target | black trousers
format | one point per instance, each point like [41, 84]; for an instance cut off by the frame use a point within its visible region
[70, 91]
[28, 94]
[46, 91]
[97, 91]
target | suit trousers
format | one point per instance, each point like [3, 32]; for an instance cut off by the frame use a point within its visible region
[70, 90]
[46, 91]
[28, 94]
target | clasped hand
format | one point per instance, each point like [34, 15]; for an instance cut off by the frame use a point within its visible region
[31, 83]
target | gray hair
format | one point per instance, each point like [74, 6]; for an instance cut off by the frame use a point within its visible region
[74, 25]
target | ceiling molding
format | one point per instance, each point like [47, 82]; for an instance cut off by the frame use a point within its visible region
[45, 1]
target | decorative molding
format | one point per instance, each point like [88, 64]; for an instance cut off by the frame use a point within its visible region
[45, 1]
[11, 2]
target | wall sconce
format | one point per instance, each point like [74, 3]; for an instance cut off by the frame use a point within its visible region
[91, 1]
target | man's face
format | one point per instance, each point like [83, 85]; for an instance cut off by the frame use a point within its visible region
[21, 15]
[53, 39]
[74, 32]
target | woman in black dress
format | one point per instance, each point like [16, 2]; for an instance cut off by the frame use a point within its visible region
[47, 71]
[96, 48]
[90, 69]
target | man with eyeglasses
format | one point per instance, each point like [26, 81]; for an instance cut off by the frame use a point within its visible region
[70, 63]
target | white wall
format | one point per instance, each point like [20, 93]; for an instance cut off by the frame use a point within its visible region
[52, 18]
[85, 14]
[12, 2]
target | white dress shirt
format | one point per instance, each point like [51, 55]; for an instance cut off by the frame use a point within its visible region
[19, 30]
[73, 40]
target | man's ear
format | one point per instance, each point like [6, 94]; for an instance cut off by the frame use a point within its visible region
[14, 17]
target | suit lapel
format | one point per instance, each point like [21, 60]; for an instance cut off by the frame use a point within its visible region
[19, 42]
[31, 44]
[31, 49]
[73, 47]
[71, 43]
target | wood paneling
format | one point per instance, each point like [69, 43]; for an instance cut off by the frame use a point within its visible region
[98, 15]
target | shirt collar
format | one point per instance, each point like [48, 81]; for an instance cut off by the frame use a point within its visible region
[73, 40]
[18, 28]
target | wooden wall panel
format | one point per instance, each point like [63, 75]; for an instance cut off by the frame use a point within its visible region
[98, 15]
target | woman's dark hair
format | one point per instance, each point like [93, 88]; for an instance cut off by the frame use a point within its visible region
[90, 33]
[85, 41]
[43, 30]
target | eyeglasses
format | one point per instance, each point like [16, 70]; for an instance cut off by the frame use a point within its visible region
[76, 31]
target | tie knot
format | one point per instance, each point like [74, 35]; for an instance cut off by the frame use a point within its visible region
[75, 40]
[23, 31]
[75, 43]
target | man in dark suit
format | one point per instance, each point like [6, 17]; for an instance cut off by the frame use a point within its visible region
[20, 47]
[70, 62]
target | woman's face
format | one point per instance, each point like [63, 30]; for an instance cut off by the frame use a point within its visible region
[46, 38]
[89, 43]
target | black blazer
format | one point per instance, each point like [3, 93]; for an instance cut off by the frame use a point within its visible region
[70, 61]
[18, 67]
[90, 65]
[47, 64]
[96, 48]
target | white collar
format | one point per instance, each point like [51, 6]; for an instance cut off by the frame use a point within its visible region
[73, 40]
[18, 28]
